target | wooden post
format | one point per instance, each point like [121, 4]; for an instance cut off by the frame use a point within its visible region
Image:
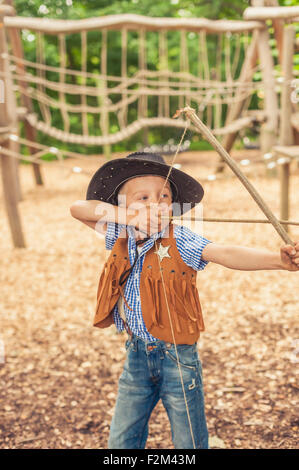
[245, 76]
[15, 147]
[11, 198]
[143, 100]
[269, 129]
[105, 113]
[123, 113]
[237, 107]
[163, 101]
[30, 132]
[278, 29]
[8, 118]
[286, 133]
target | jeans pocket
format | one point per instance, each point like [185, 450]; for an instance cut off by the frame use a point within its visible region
[183, 362]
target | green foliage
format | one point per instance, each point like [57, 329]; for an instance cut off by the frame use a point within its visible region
[172, 8]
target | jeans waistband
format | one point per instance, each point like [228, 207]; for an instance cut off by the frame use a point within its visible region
[150, 345]
[144, 342]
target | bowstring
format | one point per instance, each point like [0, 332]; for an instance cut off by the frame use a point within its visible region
[164, 290]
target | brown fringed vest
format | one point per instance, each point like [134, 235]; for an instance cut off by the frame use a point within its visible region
[180, 285]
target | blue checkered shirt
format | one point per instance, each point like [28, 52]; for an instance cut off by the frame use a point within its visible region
[190, 246]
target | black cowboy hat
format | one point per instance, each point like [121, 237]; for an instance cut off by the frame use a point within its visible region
[108, 179]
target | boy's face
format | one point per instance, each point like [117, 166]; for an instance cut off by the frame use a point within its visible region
[149, 190]
[146, 190]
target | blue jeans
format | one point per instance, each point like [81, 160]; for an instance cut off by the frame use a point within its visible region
[151, 372]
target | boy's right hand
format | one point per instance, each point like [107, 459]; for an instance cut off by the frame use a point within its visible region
[147, 219]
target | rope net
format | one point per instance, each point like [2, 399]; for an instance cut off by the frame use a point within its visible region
[76, 99]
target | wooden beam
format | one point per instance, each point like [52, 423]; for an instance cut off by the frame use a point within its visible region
[131, 21]
[290, 151]
[270, 13]
[238, 124]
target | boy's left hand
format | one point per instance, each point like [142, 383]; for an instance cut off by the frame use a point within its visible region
[290, 257]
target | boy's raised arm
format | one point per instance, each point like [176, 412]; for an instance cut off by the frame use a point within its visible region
[93, 211]
[252, 259]
[97, 211]
[95, 214]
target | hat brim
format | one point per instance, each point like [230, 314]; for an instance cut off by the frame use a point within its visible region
[107, 180]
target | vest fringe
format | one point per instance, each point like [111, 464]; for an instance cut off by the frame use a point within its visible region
[158, 295]
[179, 300]
[157, 300]
[183, 313]
[150, 291]
[172, 301]
[192, 300]
[191, 319]
[200, 321]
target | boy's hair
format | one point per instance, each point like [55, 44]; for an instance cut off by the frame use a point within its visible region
[144, 155]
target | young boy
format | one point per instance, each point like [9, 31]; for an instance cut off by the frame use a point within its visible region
[148, 287]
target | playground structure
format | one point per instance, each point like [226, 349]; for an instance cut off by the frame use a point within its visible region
[219, 89]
